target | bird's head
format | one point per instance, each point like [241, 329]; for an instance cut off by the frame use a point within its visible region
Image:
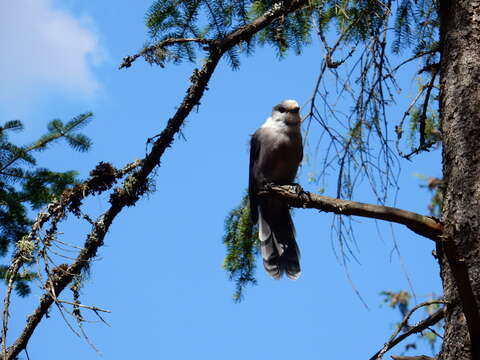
[287, 112]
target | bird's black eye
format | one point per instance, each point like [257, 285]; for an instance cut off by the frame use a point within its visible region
[281, 109]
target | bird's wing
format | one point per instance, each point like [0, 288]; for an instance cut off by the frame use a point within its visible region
[252, 183]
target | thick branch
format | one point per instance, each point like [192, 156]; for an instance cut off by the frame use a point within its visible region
[135, 185]
[423, 225]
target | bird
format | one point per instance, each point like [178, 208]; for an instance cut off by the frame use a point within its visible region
[276, 151]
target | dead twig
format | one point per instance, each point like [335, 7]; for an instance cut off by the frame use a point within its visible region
[429, 321]
[419, 357]
[93, 308]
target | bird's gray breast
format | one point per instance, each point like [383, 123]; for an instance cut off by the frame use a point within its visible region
[280, 155]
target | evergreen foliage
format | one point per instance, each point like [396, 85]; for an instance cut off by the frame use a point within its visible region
[415, 24]
[241, 241]
[210, 19]
[24, 185]
[410, 24]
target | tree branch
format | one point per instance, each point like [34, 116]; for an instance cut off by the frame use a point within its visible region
[136, 184]
[426, 226]
[422, 325]
[420, 357]
[101, 178]
[93, 308]
[128, 60]
[470, 309]
[6, 303]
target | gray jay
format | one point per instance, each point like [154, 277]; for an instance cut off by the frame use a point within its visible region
[275, 153]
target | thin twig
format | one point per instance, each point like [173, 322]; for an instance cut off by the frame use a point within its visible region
[432, 319]
[330, 50]
[414, 57]
[12, 273]
[93, 308]
[434, 332]
[101, 318]
[60, 309]
[418, 357]
[423, 116]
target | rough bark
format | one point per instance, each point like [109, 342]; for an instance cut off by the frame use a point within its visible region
[460, 117]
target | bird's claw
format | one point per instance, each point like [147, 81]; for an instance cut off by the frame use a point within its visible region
[268, 186]
[297, 189]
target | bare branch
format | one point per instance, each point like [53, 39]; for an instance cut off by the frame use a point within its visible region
[6, 302]
[93, 308]
[420, 357]
[432, 319]
[422, 325]
[414, 57]
[101, 178]
[426, 226]
[423, 116]
[331, 50]
[423, 146]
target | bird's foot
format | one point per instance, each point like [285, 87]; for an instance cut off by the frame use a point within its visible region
[297, 188]
[269, 185]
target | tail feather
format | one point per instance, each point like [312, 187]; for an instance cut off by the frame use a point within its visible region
[268, 247]
[277, 238]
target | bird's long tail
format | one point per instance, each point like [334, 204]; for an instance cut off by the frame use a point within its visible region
[277, 240]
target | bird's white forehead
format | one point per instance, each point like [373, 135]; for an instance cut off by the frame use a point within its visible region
[290, 103]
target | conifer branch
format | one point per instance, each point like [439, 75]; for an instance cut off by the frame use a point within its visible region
[30, 148]
[129, 60]
[136, 184]
[56, 132]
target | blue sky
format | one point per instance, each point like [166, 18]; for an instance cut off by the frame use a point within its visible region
[160, 269]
